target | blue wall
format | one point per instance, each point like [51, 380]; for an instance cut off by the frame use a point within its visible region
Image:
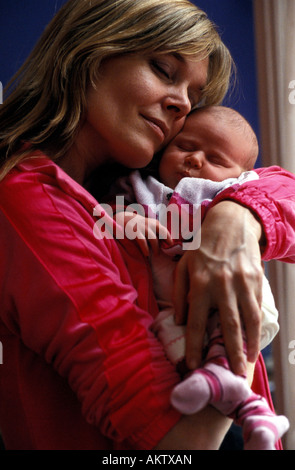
[234, 19]
[22, 22]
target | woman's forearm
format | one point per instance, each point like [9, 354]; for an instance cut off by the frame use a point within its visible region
[202, 431]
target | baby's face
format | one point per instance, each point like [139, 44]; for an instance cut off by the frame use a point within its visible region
[205, 148]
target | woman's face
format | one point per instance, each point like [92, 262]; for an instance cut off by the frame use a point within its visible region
[140, 103]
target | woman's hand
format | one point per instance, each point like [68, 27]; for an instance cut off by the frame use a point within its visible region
[224, 273]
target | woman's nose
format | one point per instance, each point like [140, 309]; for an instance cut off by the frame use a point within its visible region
[178, 101]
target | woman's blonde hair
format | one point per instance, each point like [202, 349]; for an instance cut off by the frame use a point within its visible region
[47, 97]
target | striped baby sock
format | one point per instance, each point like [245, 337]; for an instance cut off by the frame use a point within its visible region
[233, 397]
[261, 427]
[217, 385]
[209, 385]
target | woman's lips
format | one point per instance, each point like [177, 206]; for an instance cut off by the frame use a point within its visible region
[160, 128]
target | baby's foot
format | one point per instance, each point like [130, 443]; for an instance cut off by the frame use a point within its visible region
[262, 432]
[212, 384]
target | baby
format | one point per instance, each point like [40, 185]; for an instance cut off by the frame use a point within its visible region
[216, 149]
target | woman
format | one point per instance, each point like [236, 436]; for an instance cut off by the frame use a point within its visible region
[110, 84]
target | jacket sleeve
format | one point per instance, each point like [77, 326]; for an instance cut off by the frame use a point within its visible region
[272, 199]
[85, 308]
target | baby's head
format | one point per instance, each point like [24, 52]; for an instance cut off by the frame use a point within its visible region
[215, 143]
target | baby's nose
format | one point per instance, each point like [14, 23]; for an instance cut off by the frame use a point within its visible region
[196, 159]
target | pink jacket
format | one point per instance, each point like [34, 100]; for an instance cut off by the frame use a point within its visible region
[272, 198]
[81, 369]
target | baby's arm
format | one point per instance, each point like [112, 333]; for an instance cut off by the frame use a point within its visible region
[147, 231]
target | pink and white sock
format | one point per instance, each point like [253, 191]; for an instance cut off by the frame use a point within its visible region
[261, 427]
[217, 385]
[212, 383]
[233, 397]
[209, 385]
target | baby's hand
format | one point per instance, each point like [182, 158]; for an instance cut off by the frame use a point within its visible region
[146, 231]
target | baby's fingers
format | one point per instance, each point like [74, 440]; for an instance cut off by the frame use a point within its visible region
[155, 232]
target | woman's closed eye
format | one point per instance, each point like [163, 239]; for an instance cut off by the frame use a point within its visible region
[162, 68]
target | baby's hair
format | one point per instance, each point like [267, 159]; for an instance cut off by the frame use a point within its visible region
[237, 121]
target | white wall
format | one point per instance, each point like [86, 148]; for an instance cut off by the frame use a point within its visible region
[275, 45]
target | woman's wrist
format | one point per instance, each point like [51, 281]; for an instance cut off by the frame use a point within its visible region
[226, 221]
